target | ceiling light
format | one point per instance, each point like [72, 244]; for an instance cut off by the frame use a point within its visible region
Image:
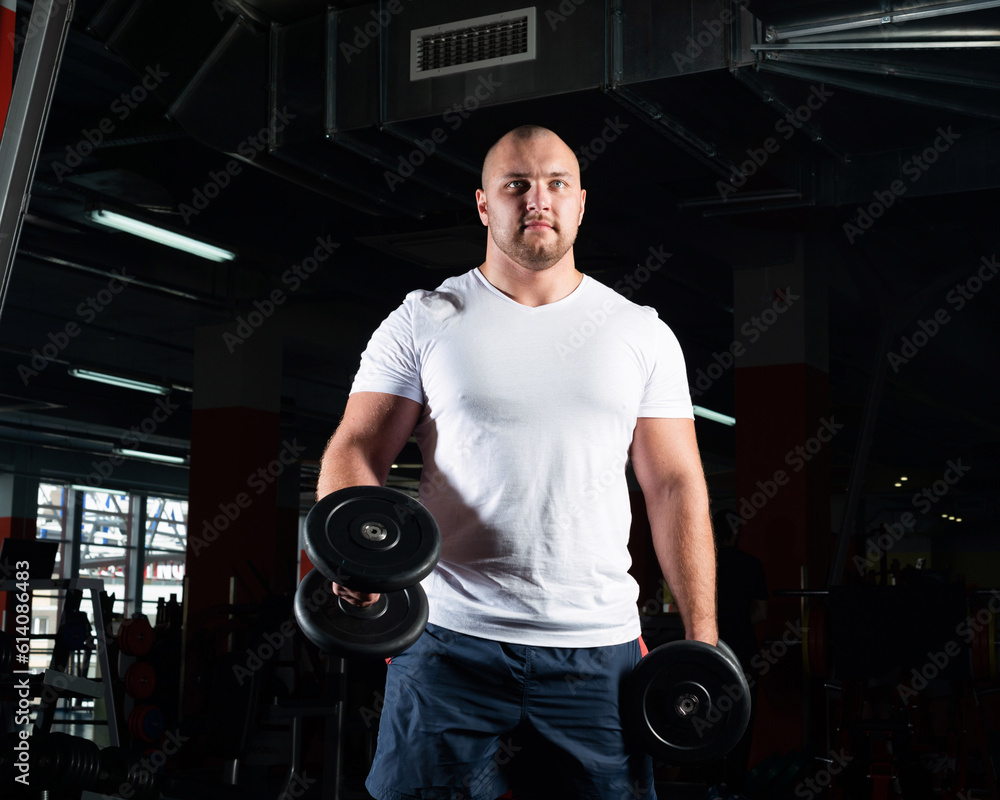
[903, 478]
[715, 416]
[160, 235]
[115, 380]
[897, 483]
[122, 451]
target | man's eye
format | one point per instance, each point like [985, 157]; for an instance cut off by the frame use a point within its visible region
[559, 184]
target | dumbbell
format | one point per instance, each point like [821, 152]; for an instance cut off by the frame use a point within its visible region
[370, 539]
[687, 702]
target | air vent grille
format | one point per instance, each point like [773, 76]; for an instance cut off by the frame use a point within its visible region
[472, 44]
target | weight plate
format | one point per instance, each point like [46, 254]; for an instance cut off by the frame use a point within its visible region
[135, 636]
[113, 772]
[385, 629]
[146, 723]
[140, 680]
[727, 651]
[372, 538]
[687, 702]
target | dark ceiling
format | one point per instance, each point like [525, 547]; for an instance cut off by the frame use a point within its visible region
[677, 101]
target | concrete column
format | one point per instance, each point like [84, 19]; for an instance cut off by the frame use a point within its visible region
[783, 438]
[236, 536]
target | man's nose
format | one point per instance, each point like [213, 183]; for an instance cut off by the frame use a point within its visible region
[538, 199]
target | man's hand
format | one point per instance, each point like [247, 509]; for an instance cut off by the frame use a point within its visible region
[355, 598]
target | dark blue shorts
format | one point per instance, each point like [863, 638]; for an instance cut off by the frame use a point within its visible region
[467, 719]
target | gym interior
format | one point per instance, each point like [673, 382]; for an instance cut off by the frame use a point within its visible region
[207, 209]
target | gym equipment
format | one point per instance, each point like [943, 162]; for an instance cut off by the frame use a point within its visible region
[140, 680]
[135, 636]
[146, 723]
[64, 763]
[370, 539]
[688, 702]
[386, 628]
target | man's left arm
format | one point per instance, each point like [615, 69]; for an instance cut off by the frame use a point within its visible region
[668, 467]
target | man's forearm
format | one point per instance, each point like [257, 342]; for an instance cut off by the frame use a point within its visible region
[682, 537]
[345, 466]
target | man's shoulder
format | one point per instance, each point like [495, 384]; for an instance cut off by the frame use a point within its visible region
[443, 302]
[604, 296]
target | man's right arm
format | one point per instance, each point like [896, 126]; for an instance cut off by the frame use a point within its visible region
[373, 430]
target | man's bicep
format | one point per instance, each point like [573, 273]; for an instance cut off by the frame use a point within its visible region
[664, 450]
[377, 422]
[373, 430]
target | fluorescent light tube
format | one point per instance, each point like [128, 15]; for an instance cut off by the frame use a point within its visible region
[114, 380]
[715, 416]
[160, 235]
[122, 451]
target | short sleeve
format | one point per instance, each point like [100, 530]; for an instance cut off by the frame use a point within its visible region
[390, 363]
[666, 393]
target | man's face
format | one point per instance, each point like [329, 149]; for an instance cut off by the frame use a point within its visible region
[532, 201]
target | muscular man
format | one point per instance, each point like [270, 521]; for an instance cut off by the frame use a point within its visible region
[528, 386]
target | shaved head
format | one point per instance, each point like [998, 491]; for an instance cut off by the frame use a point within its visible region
[531, 199]
[523, 133]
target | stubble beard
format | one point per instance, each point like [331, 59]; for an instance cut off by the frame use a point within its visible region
[533, 256]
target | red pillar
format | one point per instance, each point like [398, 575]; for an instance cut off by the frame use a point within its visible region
[783, 439]
[8, 19]
[236, 534]
[18, 520]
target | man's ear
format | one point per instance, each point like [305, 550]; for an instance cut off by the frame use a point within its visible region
[481, 206]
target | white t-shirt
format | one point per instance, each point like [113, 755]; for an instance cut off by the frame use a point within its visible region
[528, 415]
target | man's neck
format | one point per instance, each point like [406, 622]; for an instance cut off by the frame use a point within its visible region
[532, 288]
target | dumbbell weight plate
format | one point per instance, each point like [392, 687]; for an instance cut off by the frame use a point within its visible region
[372, 538]
[140, 680]
[135, 636]
[385, 629]
[687, 702]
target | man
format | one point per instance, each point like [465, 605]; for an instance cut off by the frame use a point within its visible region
[528, 387]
